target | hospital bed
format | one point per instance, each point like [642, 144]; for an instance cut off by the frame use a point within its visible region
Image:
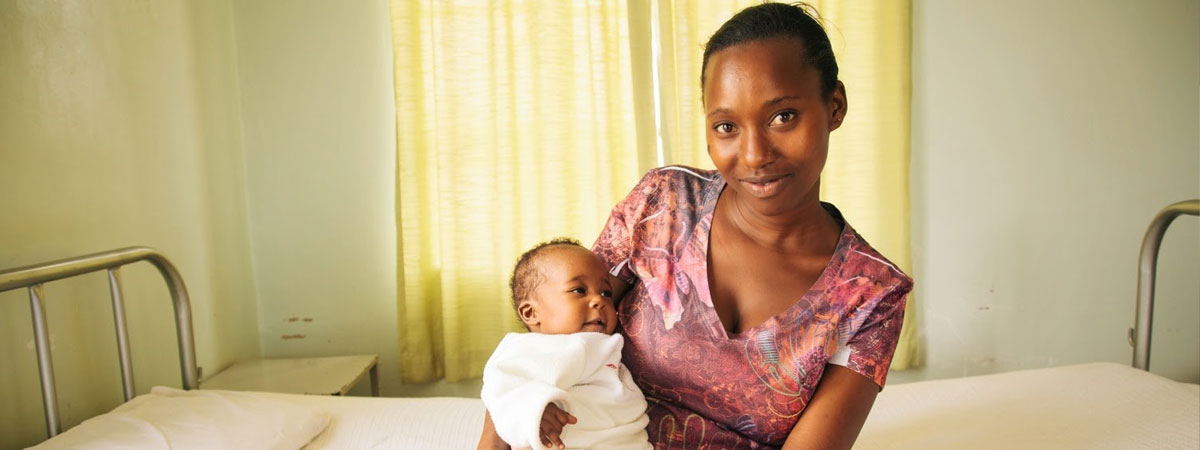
[1086, 406]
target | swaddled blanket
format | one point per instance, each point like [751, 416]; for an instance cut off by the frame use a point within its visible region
[580, 373]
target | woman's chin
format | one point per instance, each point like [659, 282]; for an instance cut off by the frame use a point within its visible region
[782, 203]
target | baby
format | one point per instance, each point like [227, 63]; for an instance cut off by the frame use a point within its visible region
[568, 371]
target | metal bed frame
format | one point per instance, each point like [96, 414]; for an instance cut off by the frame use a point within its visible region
[1139, 335]
[32, 277]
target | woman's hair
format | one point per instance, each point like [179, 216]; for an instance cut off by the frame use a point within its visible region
[525, 276]
[778, 20]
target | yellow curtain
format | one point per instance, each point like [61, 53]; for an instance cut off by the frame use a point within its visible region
[514, 125]
[866, 175]
[521, 120]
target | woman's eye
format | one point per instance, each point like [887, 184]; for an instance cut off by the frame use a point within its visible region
[723, 127]
[783, 117]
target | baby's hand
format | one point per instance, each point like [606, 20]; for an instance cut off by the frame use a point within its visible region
[553, 421]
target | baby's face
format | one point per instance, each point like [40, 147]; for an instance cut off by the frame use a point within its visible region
[574, 294]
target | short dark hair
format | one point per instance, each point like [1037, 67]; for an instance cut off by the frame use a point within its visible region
[779, 20]
[526, 277]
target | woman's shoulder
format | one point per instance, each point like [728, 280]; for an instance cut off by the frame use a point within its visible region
[677, 177]
[682, 172]
[675, 185]
[860, 259]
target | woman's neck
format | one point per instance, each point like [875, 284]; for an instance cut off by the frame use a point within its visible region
[806, 228]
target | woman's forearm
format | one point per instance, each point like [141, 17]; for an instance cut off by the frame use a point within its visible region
[836, 413]
[489, 440]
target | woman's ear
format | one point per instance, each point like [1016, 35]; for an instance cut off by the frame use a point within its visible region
[528, 314]
[837, 103]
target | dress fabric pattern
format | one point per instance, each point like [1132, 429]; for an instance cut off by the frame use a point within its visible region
[708, 389]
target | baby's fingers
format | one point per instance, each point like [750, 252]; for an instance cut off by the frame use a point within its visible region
[551, 432]
[553, 440]
[553, 421]
[559, 416]
[562, 418]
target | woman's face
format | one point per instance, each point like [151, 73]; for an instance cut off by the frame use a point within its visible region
[768, 124]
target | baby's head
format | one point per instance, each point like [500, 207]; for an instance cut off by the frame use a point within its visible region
[560, 287]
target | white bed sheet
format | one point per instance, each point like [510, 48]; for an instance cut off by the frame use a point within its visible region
[395, 423]
[1087, 406]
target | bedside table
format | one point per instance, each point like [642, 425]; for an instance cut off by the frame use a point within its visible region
[333, 375]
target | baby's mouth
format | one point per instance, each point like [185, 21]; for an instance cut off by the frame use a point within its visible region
[597, 324]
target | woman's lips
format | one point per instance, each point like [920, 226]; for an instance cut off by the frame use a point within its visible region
[765, 186]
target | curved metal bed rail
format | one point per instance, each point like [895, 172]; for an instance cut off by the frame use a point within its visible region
[33, 276]
[1139, 335]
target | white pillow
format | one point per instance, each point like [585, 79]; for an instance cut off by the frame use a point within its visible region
[168, 418]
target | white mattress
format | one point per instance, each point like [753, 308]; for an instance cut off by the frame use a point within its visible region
[1088, 406]
[396, 423]
[213, 419]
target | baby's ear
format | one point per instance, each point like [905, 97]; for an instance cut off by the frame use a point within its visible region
[528, 314]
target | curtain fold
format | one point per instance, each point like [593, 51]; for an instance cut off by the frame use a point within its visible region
[514, 125]
[522, 120]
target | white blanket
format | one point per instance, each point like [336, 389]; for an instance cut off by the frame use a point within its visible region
[581, 373]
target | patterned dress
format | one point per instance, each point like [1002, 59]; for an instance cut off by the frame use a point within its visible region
[708, 389]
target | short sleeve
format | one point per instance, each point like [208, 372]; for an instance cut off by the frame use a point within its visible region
[870, 345]
[615, 244]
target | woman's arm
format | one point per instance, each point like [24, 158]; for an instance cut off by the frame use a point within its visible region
[489, 440]
[835, 415]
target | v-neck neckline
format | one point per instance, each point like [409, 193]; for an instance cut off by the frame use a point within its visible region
[709, 213]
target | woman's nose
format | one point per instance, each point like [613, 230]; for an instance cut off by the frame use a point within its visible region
[756, 150]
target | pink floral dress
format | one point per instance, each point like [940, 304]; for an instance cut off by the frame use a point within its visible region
[710, 389]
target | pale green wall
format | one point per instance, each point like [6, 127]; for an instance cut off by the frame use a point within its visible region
[316, 83]
[1046, 134]
[119, 125]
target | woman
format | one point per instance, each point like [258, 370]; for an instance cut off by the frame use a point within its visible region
[754, 315]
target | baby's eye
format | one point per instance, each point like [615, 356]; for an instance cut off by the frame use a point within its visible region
[579, 290]
[783, 117]
[606, 294]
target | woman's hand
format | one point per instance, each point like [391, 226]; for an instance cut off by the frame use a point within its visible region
[489, 440]
[835, 415]
[553, 421]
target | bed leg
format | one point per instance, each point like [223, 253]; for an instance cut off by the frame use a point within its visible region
[375, 379]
